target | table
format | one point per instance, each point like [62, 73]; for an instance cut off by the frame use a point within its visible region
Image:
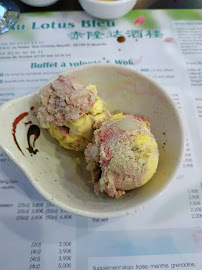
[167, 234]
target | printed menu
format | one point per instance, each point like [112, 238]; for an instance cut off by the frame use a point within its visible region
[164, 45]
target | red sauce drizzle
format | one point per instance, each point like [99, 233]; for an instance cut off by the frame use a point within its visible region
[32, 108]
[27, 123]
[15, 123]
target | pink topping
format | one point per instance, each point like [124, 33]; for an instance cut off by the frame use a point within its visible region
[64, 100]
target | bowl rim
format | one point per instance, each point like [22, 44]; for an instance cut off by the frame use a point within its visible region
[109, 3]
[87, 213]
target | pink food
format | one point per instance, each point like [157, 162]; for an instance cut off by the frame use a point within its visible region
[122, 156]
[64, 100]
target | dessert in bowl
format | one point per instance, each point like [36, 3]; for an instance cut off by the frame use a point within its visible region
[60, 174]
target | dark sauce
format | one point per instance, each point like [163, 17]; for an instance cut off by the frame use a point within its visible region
[15, 123]
[33, 130]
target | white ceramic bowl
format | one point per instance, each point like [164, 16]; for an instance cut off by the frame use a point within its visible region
[60, 176]
[107, 9]
[39, 3]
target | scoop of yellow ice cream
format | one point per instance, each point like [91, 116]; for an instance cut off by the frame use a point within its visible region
[76, 135]
[123, 155]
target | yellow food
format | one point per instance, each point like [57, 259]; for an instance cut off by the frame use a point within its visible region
[81, 130]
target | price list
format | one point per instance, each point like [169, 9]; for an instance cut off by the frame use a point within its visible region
[188, 161]
[64, 255]
[40, 211]
[195, 202]
[62, 259]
